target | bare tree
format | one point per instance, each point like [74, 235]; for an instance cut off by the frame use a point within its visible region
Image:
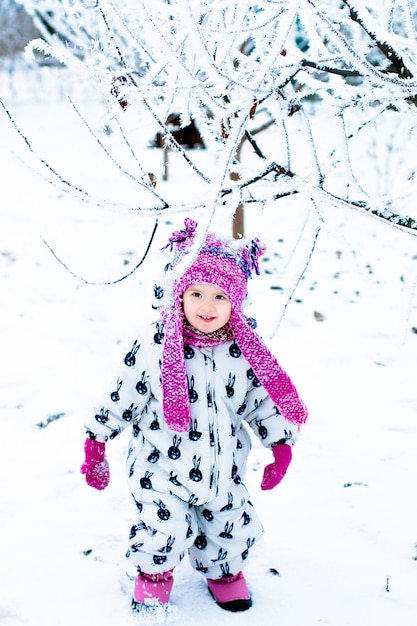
[324, 79]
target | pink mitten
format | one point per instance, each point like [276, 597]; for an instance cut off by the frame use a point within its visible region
[95, 466]
[275, 472]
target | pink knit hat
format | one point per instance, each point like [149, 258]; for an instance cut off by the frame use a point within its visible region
[228, 264]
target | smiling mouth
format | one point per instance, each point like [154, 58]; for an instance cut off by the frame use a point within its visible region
[206, 318]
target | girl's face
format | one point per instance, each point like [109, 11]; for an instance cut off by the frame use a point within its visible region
[206, 307]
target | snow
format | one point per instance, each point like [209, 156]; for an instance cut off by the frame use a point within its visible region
[340, 531]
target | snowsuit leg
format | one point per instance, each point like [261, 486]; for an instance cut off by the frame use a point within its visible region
[218, 535]
[163, 533]
[227, 528]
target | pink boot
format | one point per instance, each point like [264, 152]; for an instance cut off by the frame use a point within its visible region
[152, 589]
[231, 593]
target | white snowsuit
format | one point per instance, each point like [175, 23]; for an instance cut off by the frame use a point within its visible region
[188, 487]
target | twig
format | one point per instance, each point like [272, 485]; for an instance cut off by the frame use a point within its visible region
[330, 70]
[110, 282]
[50, 419]
[112, 159]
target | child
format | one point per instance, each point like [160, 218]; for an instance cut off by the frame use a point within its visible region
[186, 388]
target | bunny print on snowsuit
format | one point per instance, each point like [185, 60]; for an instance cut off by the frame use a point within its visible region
[188, 487]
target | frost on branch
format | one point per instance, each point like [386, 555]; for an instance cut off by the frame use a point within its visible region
[233, 66]
[309, 98]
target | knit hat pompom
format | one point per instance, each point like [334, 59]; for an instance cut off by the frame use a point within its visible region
[228, 264]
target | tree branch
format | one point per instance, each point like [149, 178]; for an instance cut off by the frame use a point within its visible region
[110, 282]
[386, 214]
[397, 63]
[331, 70]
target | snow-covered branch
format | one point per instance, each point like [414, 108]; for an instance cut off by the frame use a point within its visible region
[322, 79]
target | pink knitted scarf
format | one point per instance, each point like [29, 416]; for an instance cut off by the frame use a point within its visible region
[268, 371]
[195, 337]
[274, 379]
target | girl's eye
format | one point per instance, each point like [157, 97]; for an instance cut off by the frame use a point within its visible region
[220, 297]
[195, 294]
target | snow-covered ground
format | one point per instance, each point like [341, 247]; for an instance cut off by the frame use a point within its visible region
[341, 529]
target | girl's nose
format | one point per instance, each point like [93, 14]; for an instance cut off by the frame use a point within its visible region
[207, 304]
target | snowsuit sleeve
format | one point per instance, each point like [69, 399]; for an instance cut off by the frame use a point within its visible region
[265, 419]
[126, 399]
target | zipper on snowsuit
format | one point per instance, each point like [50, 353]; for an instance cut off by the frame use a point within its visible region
[213, 424]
